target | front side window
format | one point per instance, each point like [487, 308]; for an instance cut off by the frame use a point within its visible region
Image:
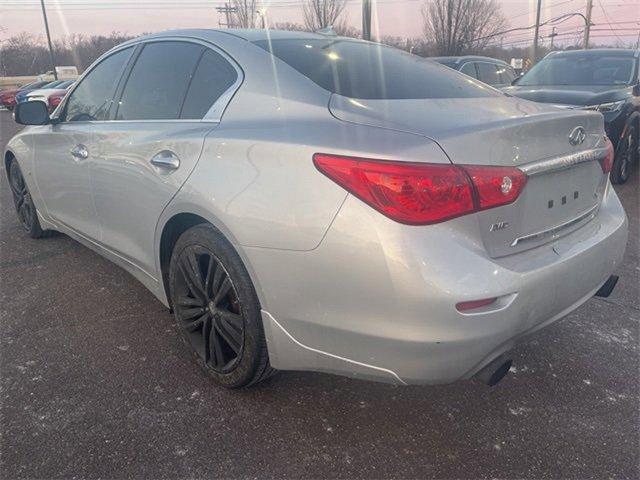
[488, 73]
[371, 71]
[92, 98]
[159, 81]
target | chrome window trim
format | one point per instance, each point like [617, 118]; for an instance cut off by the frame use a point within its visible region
[213, 115]
[564, 162]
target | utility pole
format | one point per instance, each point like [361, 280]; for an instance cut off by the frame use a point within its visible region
[46, 27]
[587, 26]
[366, 19]
[227, 10]
[537, 32]
[553, 36]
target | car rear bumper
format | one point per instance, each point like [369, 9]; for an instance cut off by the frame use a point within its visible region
[377, 300]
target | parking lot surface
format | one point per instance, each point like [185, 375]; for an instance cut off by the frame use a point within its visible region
[96, 383]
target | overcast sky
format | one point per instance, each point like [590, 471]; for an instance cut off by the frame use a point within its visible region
[616, 21]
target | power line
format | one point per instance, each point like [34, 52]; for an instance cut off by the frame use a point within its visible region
[604, 12]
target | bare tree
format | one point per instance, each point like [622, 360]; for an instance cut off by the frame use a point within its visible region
[458, 26]
[320, 14]
[291, 26]
[246, 13]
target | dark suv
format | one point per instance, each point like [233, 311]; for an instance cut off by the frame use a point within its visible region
[488, 70]
[606, 80]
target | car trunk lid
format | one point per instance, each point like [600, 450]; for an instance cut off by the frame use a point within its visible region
[565, 182]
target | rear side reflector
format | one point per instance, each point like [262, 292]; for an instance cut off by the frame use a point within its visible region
[473, 304]
[607, 162]
[422, 193]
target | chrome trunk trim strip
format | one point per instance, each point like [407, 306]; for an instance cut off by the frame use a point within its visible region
[590, 213]
[564, 162]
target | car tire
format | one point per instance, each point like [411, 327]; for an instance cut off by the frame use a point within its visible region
[626, 155]
[22, 200]
[216, 308]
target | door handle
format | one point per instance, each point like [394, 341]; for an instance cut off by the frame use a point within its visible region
[166, 160]
[80, 152]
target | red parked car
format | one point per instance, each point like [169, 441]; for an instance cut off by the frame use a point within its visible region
[55, 99]
[8, 96]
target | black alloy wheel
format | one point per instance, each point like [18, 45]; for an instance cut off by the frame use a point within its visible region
[23, 202]
[626, 154]
[208, 308]
[217, 309]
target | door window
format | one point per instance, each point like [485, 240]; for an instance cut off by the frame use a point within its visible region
[469, 69]
[507, 75]
[212, 78]
[488, 73]
[158, 82]
[92, 98]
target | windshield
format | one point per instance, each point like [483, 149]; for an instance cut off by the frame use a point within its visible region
[581, 70]
[371, 71]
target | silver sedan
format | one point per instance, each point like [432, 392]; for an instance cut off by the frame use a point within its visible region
[310, 202]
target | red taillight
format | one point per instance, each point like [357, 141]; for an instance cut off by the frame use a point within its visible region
[422, 193]
[496, 185]
[54, 101]
[607, 162]
[411, 193]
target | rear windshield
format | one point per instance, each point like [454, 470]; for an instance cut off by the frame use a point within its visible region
[370, 71]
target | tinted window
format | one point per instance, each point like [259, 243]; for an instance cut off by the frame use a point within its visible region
[364, 70]
[507, 75]
[488, 73]
[581, 69]
[213, 76]
[158, 81]
[469, 69]
[92, 98]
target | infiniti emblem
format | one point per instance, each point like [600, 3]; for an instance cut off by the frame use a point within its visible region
[577, 136]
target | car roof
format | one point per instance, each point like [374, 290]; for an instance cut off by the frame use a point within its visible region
[467, 58]
[247, 34]
[614, 52]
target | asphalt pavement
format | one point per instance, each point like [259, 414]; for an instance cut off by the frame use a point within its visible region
[95, 382]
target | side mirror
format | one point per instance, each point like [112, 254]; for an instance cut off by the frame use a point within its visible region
[34, 112]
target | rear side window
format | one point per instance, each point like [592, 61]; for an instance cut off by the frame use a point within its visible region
[92, 98]
[370, 71]
[159, 81]
[488, 73]
[469, 69]
[214, 75]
